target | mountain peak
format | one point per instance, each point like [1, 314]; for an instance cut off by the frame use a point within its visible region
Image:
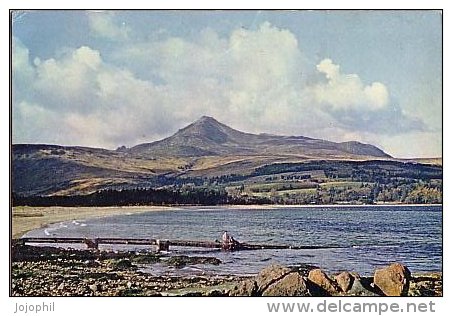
[206, 121]
[209, 137]
[209, 128]
[205, 118]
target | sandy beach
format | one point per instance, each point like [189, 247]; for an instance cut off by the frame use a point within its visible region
[27, 218]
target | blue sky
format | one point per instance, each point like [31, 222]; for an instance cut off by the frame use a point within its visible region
[108, 79]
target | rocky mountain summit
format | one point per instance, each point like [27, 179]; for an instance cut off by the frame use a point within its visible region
[208, 137]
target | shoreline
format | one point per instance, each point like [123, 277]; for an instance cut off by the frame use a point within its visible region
[28, 218]
[277, 206]
[119, 273]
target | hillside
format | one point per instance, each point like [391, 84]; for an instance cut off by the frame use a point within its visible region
[208, 137]
[209, 154]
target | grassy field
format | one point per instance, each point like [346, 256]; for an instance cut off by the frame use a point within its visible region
[341, 184]
[280, 186]
[297, 191]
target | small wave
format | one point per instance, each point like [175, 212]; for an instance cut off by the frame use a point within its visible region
[48, 232]
[374, 246]
[75, 222]
[83, 225]
[191, 268]
[386, 246]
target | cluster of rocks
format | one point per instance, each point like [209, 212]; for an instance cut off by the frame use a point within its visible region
[393, 280]
[104, 278]
[49, 271]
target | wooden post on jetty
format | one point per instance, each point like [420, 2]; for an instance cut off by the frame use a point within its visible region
[91, 243]
[162, 245]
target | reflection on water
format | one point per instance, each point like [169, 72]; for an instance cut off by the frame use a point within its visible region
[371, 236]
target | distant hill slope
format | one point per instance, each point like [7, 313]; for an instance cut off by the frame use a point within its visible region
[208, 137]
[203, 149]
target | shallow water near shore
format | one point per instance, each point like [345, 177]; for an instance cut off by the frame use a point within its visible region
[369, 236]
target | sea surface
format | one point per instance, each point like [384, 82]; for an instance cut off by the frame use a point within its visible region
[369, 236]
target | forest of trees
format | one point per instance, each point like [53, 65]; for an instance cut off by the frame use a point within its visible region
[416, 193]
[133, 197]
[312, 182]
[366, 193]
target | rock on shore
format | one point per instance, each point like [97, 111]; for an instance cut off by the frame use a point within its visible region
[49, 271]
[394, 280]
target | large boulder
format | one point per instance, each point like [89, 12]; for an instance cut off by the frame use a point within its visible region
[360, 288]
[393, 280]
[245, 288]
[344, 280]
[292, 284]
[269, 275]
[275, 280]
[318, 277]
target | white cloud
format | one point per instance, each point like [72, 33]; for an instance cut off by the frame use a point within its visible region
[69, 81]
[251, 79]
[264, 58]
[249, 75]
[265, 72]
[35, 123]
[79, 99]
[331, 71]
[20, 60]
[22, 72]
[342, 91]
[103, 25]
[424, 144]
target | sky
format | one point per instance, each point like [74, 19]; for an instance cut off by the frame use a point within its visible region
[112, 78]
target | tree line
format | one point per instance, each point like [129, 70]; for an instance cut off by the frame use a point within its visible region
[139, 197]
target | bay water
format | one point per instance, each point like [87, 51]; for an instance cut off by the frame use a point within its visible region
[367, 236]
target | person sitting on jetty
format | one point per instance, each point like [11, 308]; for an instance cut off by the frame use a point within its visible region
[228, 242]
